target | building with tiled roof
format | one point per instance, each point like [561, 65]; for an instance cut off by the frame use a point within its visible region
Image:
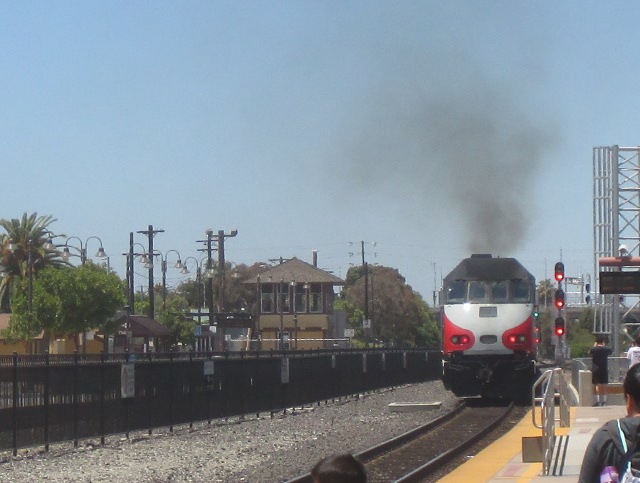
[295, 307]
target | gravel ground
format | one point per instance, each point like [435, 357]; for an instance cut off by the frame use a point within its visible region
[253, 450]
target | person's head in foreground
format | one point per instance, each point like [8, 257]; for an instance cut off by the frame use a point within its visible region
[342, 468]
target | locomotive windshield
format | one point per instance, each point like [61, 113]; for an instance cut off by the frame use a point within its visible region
[480, 292]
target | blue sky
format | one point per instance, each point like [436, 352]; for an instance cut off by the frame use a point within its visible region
[431, 128]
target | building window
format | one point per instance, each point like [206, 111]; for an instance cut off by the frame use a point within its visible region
[266, 299]
[301, 297]
[284, 304]
[315, 298]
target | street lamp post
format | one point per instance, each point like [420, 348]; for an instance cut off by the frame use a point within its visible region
[66, 254]
[131, 255]
[185, 270]
[163, 266]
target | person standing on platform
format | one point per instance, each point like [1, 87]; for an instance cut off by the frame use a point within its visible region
[633, 354]
[607, 456]
[600, 353]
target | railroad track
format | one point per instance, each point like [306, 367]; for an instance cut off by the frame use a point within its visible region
[421, 454]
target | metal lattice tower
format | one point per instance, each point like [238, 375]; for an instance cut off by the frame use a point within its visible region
[616, 222]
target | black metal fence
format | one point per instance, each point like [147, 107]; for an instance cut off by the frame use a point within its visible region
[46, 399]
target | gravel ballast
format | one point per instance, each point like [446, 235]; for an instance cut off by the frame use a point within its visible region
[261, 449]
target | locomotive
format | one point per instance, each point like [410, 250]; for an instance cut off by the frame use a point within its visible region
[488, 328]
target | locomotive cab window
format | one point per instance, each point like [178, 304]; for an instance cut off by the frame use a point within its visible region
[499, 292]
[521, 291]
[456, 292]
[477, 292]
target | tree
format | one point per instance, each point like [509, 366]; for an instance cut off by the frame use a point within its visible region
[399, 314]
[546, 293]
[579, 336]
[175, 315]
[67, 301]
[238, 295]
[354, 315]
[27, 236]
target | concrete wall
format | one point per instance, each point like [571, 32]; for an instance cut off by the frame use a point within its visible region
[586, 394]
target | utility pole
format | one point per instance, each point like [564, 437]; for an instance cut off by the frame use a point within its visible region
[208, 294]
[366, 285]
[221, 267]
[366, 323]
[150, 232]
[132, 294]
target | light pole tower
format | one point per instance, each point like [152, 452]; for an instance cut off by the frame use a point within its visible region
[616, 202]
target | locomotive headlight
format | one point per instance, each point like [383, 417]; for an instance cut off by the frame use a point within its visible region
[517, 339]
[460, 339]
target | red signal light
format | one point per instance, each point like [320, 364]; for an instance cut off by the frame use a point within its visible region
[559, 271]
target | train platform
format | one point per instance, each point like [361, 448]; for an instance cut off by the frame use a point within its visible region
[502, 460]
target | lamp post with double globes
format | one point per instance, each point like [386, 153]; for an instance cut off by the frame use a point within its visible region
[163, 267]
[131, 256]
[82, 251]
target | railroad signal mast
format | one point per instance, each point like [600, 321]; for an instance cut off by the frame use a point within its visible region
[560, 326]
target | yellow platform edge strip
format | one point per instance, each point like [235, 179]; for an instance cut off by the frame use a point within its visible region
[490, 461]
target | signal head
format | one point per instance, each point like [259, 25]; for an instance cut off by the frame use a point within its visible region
[559, 327]
[559, 301]
[559, 271]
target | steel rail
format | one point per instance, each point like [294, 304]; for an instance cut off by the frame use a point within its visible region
[419, 474]
[390, 444]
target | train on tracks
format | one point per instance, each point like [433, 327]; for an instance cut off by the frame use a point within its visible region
[488, 328]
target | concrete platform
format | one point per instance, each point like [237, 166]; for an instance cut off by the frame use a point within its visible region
[410, 407]
[502, 460]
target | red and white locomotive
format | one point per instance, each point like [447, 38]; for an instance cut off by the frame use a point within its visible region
[488, 328]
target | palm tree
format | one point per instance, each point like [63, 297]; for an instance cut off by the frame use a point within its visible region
[27, 239]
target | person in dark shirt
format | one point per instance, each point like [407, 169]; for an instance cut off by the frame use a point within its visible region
[606, 451]
[600, 353]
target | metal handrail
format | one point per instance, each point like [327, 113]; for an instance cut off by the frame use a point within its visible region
[552, 383]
